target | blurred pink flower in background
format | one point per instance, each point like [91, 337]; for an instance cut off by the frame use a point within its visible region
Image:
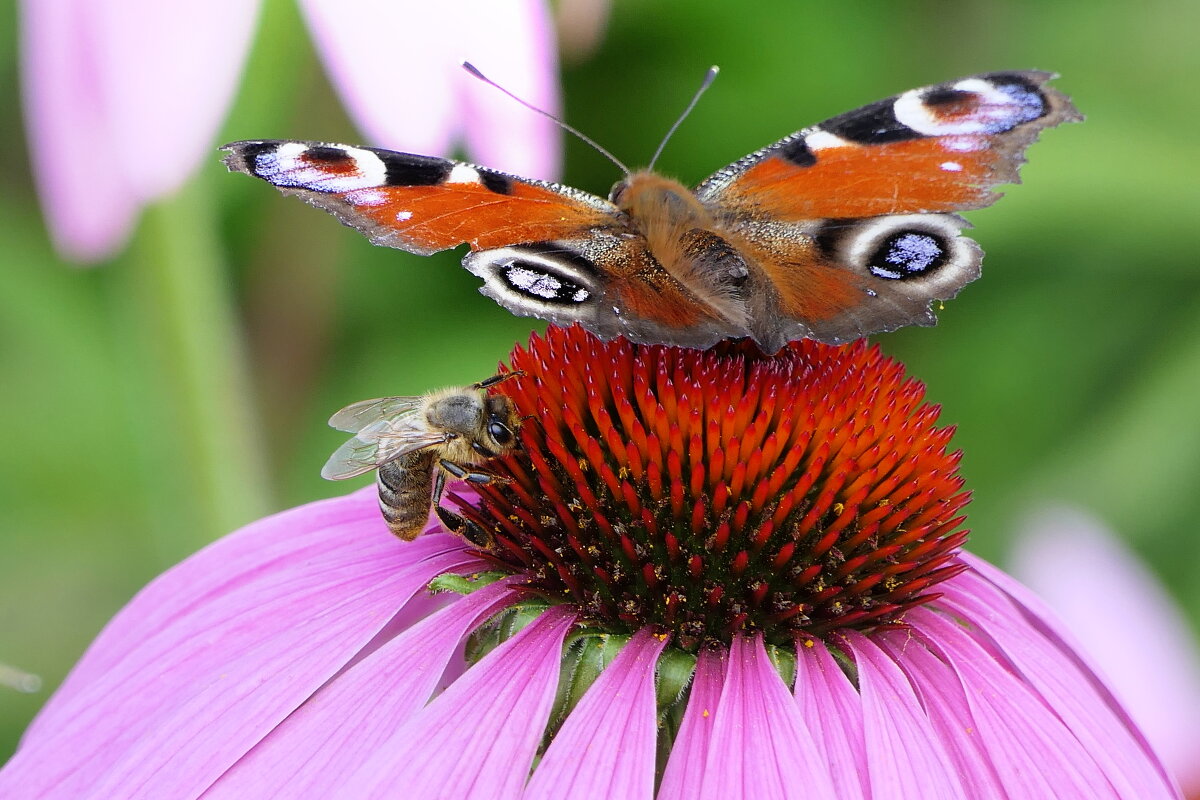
[1125, 620]
[123, 98]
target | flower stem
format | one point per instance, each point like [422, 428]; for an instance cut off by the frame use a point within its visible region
[192, 338]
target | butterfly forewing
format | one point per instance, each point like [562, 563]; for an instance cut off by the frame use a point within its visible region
[418, 203]
[934, 149]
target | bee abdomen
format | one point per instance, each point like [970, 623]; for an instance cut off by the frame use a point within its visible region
[405, 490]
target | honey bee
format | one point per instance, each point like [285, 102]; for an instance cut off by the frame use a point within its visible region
[414, 442]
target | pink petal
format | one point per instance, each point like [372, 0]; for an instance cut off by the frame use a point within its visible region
[479, 738]
[239, 646]
[944, 698]
[905, 758]
[1025, 747]
[249, 554]
[514, 46]
[89, 205]
[684, 775]
[315, 750]
[832, 710]
[1070, 559]
[760, 745]
[395, 65]
[1008, 622]
[606, 747]
[168, 72]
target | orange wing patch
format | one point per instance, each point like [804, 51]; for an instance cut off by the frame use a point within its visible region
[853, 180]
[443, 216]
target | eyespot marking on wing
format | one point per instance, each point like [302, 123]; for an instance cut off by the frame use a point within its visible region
[906, 254]
[543, 285]
[980, 106]
[321, 168]
[908, 248]
[548, 275]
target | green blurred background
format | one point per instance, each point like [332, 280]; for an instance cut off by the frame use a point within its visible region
[1072, 369]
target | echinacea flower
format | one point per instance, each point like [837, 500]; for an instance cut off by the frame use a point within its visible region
[123, 99]
[1077, 565]
[714, 575]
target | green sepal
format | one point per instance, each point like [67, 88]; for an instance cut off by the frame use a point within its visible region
[502, 627]
[464, 584]
[784, 661]
[585, 655]
[673, 677]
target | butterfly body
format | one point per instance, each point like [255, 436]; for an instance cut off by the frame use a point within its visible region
[685, 239]
[840, 230]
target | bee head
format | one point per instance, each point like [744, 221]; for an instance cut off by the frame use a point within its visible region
[502, 423]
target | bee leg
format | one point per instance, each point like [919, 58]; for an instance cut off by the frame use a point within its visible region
[492, 381]
[470, 476]
[454, 522]
[464, 528]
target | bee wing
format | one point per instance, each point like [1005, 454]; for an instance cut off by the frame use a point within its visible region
[357, 416]
[359, 454]
[384, 430]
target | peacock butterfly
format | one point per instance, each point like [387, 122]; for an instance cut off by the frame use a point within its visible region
[837, 231]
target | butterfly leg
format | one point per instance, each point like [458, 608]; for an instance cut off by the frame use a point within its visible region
[456, 523]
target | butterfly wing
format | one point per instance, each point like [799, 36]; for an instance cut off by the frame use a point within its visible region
[542, 249]
[851, 221]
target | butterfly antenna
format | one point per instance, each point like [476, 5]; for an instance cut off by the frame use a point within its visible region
[471, 68]
[709, 77]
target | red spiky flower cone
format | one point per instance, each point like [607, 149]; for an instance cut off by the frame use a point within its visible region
[720, 492]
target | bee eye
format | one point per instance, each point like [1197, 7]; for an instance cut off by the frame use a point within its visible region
[500, 432]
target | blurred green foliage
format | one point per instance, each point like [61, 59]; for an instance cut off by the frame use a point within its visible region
[1072, 369]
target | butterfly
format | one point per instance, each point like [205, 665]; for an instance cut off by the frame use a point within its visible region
[837, 231]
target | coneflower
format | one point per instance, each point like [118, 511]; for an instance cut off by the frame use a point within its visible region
[712, 575]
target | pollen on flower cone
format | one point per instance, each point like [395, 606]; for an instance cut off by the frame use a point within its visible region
[724, 491]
